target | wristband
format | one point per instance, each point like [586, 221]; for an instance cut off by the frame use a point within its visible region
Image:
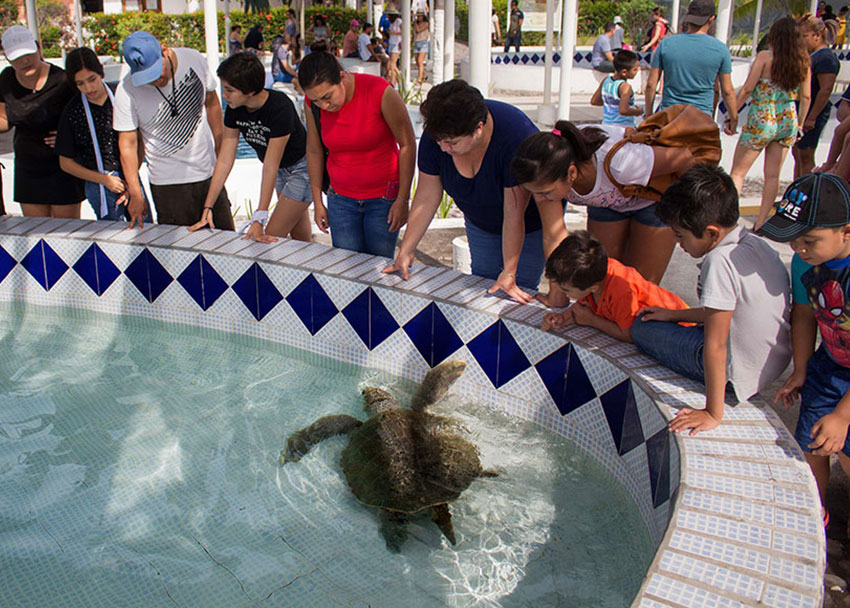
[260, 216]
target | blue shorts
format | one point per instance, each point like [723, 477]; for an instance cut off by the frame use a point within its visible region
[645, 216]
[809, 141]
[294, 182]
[422, 46]
[826, 383]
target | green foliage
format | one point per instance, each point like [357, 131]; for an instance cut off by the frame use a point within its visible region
[592, 16]
[50, 12]
[636, 15]
[8, 13]
[51, 41]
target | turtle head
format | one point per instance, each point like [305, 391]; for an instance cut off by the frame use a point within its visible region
[377, 400]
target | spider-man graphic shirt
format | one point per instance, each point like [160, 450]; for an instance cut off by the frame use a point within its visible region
[826, 288]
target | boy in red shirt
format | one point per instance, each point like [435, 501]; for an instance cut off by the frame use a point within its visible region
[608, 295]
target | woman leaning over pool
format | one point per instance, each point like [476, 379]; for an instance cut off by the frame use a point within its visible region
[466, 151]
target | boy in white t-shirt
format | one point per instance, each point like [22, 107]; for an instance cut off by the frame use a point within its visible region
[169, 99]
[742, 335]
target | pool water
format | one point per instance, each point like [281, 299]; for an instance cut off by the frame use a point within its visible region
[139, 466]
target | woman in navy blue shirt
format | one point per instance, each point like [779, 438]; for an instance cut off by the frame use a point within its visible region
[466, 150]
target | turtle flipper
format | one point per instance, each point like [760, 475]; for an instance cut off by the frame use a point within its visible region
[436, 384]
[393, 529]
[301, 442]
[443, 518]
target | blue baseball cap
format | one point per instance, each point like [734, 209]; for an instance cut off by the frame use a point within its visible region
[143, 53]
[816, 200]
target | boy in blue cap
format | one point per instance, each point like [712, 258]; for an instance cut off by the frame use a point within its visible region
[814, 217]
[170, 99]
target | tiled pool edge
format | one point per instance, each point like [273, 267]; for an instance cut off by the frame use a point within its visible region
[746, 524]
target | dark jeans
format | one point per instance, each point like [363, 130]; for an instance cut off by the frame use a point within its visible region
[183, 204]
[605, 66]
[513, 40]
[672, 345]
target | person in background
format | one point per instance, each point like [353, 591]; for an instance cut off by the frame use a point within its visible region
[320, 30]
[778, 78]
[657, 30]
[254, 38]
[495, 31]
[33, 94]
[514, 34]
[291, 28]
[421, 44]
[814, 219]
[394, 48]
[841, 34]
[371, 155]
[371, 49]
[466, 152]
[235, 39]
[87, 144]
[603, 58]
[824, 70]
[170, 101]
[278, 49]
[692, 63]
[821, 9]
[269, 122]
[349, 43]
[742, 335]
[607, 294]
[615, 94]
[617, 41]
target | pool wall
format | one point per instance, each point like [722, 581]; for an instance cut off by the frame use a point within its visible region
[734, 512]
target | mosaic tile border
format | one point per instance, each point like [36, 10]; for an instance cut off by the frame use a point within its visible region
[735, 510]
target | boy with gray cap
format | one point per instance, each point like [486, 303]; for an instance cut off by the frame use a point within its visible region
[169, 98]
[814, 218]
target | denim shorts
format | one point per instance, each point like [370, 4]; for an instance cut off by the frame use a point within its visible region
[294, 182]
[809, 141]
[826, 383]
[422, 46]
[645, 216]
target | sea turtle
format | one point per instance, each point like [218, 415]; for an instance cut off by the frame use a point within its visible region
[401, 461]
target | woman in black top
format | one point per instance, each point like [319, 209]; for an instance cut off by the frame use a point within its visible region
[32, 96]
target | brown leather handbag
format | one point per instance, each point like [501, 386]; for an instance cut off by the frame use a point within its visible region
[679, 126]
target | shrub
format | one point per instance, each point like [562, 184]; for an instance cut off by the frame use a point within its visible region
[8, 13]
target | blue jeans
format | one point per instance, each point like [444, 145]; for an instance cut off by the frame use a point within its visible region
[513, 40]
[361, 225]
[672, 345]
[282, 76]
[485, 249]
[114, 212]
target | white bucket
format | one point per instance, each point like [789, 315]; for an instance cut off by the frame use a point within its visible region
[461, 258]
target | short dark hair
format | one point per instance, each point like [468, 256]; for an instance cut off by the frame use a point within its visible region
[243, 71]
[318, 67]
[453, 109]
[580, 261]
[82, 58]
[235, 27]
[703, 195]
[609, 26]
[625, 60]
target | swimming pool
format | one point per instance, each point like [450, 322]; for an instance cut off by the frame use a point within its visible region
[745, 527]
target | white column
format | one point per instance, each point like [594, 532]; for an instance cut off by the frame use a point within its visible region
[32, 18]
[211, 33]
[406, 24]
[568, 47]
[479, 45]
[449, 42]
[756, 27]
[78, 22]
[301, 23]
[438, 22]
[674, 15]
[724, 20]
[370, 12]
[226, 28]
[548, 62]
[813, 7]
[352, 4]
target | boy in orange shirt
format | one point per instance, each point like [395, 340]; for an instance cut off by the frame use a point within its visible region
[608, 294]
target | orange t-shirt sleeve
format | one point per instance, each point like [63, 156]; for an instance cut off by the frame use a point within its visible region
[626, 292]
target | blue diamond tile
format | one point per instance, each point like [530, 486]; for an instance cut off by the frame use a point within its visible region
[515, 59]
[566, 380]
[202, 282]
[7, 262]
[497, 60]
[578, 57]
[312, 304]
[257, 292]
[44, 265]
[498, 354]
[524, 59]
[556, 58]
[370, 318]
[658, 460]
[433, 335]
[96, 269]
[535, 58]
[623, 418]
[148, 275]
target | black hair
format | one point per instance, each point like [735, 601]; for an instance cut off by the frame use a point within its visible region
[291, 12]
[367, 25]
[243, 71]
[318, 67]
[609, 26]
[319, 18]
[703, 195]
[625, 60]
[453, 109]
[233, 28]
[545, 157]
[82, 58]
[579, 261]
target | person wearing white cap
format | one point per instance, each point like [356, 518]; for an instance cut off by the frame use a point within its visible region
[170, 100]
[619, 33]
[32, 96]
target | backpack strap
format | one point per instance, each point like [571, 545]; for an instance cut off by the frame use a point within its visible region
[606, 164]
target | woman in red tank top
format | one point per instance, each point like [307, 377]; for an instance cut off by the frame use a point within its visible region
[371, 155]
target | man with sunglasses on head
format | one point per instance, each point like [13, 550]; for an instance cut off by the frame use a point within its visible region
[169, 104]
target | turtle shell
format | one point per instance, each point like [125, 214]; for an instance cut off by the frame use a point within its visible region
[406, 461]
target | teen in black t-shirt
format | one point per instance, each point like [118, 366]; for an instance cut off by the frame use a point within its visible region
[269, 122]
